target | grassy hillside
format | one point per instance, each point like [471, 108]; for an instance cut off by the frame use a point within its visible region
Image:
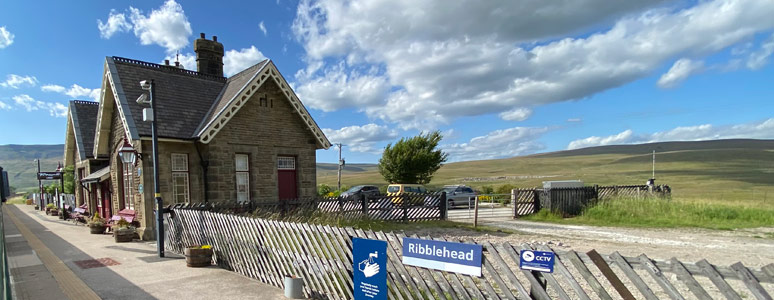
[739, 172]
[18, 161]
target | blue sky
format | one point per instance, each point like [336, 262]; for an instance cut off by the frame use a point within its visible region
[498, 78]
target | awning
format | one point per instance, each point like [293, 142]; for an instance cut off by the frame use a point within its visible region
[97, 176]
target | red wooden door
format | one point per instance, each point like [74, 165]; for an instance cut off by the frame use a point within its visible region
[286, 178]
[107, 209]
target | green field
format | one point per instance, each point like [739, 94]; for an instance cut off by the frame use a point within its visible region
[737, 173]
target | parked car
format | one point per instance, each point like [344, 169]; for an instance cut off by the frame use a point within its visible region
[361, 192]
[459, 195]
[398, 189]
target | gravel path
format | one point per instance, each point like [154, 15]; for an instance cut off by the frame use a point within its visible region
[753, 247]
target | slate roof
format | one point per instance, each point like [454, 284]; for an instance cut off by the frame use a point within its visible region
[84, 118]
[182, 97]
[233, 86]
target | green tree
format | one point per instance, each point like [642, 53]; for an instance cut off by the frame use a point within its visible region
[69, 179]
[412, 160]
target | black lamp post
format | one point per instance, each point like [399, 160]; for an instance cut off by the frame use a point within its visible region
[150, 115]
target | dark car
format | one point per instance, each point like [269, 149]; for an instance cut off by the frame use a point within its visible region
[361, 192]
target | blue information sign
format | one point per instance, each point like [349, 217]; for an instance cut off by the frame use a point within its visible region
[370, 268]
[446, 256]
[542, 261]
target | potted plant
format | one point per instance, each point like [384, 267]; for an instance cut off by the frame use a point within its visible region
[49, 207]
[96, 224]
[54, 212]
[198, 256]
[124, 232]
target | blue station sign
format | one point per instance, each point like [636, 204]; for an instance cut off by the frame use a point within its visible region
[542, 261]
[370, 269]
[445, 256]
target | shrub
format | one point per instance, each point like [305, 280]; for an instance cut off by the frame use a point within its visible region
[487, 189]
[505, 189]
[323, 190]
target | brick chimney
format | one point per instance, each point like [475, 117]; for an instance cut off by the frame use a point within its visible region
[209, 56]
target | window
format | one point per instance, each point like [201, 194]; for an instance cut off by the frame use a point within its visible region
[128, 182]
[180, 177]
[286, 163]
[242, 177]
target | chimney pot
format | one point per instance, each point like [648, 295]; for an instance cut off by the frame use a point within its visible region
[201, 35]
[166, 62]
[209, 56]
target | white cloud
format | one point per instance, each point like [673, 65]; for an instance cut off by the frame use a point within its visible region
[167, 26]
[262, 28]
[753, 130]
[339, 89]
[621, 138]
[188, 60]
[53, 88]
[15, 81]
[235, 61]
[6, 37]
[4, 106]
[27, 102]
[498, 144]
[75, 91]
[492, 57]
[30, 104]
[518, 114]
[574, 120]
[760, 58]
[680, 71]
[115, 23]
[361, 138]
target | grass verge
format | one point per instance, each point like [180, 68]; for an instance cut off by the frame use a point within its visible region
[659, 213]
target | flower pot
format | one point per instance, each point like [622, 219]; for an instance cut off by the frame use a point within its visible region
[97, 229]
[197, 257]
[54, 212]
[123, 235]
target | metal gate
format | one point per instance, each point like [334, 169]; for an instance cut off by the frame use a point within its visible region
[490, 207]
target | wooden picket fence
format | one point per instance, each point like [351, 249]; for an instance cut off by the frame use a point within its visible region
[405, 208]
[571, 201]
[268, 250]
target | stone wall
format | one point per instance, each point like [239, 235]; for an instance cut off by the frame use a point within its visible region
[263, 130]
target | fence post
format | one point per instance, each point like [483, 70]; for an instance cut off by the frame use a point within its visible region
[404, 201]
[536, 199]
[475, 213]
[364, 202]
[443, 206]
[514, 198]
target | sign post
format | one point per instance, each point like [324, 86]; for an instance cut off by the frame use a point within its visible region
[370, 268]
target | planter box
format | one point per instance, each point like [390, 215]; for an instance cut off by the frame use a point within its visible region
[123, 235]
[197, 258]
[54, 212]
[96, 229]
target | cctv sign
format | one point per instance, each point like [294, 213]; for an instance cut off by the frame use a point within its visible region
[542, 261]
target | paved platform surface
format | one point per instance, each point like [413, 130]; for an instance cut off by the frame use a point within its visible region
[55, 259]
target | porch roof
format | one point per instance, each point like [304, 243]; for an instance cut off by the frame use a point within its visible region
[97, 176]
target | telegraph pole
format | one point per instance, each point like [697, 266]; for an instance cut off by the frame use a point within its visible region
[340, 165]
[654, 165]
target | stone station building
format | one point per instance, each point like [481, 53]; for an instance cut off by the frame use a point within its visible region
[243, 138]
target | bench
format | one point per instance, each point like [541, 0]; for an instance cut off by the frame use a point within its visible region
[80, 214]
[127, 214]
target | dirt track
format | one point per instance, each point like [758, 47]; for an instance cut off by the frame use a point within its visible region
[753, 247]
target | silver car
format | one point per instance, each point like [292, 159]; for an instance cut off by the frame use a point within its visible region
[459, 196]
